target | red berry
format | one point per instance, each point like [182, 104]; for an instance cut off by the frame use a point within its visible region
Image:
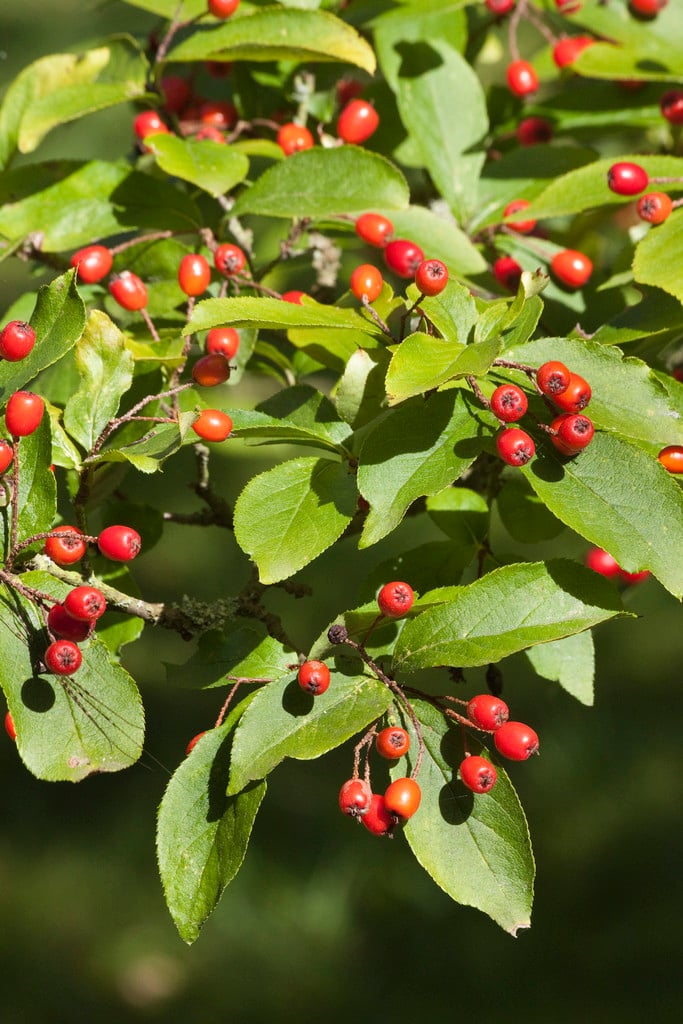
[392, 742]
[194, 274]
[374, 229]
[357, 122]
[671, 458]
[648, 8]
[223, 8]
[516, 741]
[500, 7]
[347, 89]
[6, 455]
[211, 370]
[522, 226]
[212, 425]
[553, 378]
[377, 819]
[355, 797]
[148, 123]
[60, 623]
[292, 138]
[629, 578]
[509, 403]
[23, 413]
[576, 396]
[193, 742]
[402, 798]
[431, 277]
[567, 50]
[367, 281]
[63, 657]
[395, 599]
[65, 550]
[601, 561]
[85, 603]
[128, 290]
[294, 297]
[119, 543]
[571, 267]
[487, 712]
[9, 726]
[533, 130]
[671, 106]
[478, 774]
[219, 114]
[403, 257]
[627, 179]
[568, 6]
[211, 133]
[314, 677]
[507, 272]
[574, 432]
[176, 92]
[515, 447]
[17, 338]
[223, 341]
[521, 78]
[229, 259]
[655, 207]
[93, 262]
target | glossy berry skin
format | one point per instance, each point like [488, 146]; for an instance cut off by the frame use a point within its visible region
[65, 550]
[193, 742]
[229, 259]
[568, 6]
[293, 296]
[521, 78]
[532, 131]
[212, 425]
[223, 8]
[627, 179]
[93, 263]
[85, 603]
[507, 272]
[61, 624]
[571, 267]
[395, 599]
[601, 561]
[500, 7]
[129, 291]
[222, 341]
[576, 396]
[23, 413]
[17, 339]
[314, 677]
[402, 798]
[403, 257]
[6, 455]
[194, 274]
[392, 742]
[378, 819]
[487, 712]
[671, 458]
[478, 774]
[516, 741]
[567, 50]
[374, 229]
[211, 370]
[431, 277]
[292, 138]
[509, 403]
[119, 543]
[355, 797]
[9, 727]
[367, 281]
[574, 433]
[357, 122]
[63, 657]
[553, 378]
[522, 226]
[148, 123]
[655, 207]
[515, 447]
[671, 106]
[648, 8]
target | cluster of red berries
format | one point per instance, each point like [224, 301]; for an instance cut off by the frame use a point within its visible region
[357, 121]
[570, 267]
[380, 813]
[404, 257]
[24, 410]
[629, 179]
[514, 740]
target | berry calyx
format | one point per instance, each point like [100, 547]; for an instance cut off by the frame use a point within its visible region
[487, 712]
[92, 263]
[194, 274]
[671, 458]
[6, 455]
[521, 78]
[553, 378]
[128, 290]
[211, 370]
[9, 727]
[402, 798]
[378, 819]
[671, 106]
[571, 267]
[431, 277]
[61, 624]
[602, 562]
[374, 229]
[212, 425]
[509, 403]
[532, 131]
[119, 543]
[576, 395]
[367, 281]
[507, 272]
[66, 545]
[396, 599]
[23, 413]
[355, 797]
[17, 338]
[292, 138]
[478, 774]
[85, 603]
[193, 742]
[567, 50]
[515, 447]
[357, 122]
[229, 259]
[627, 179]
[655, 207]
[516, 741]
[522, 226]
[574, 432]
[392, 742]
[314, 677]
[222, 341]
[223, 8]
[403, 257]
[63, 657]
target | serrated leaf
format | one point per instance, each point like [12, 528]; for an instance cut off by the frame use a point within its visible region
[287, 516]
[658, 256]
[438, 235]
[148, 452]
[212, 166]
[454, 312]
[360, 394]
[420, 363]
[462, 514]
[300, 413]
[523, 514]
[569, 662]
[242, 648]
[506, 611]
[37, 499]
[654, 53]
[273, 314]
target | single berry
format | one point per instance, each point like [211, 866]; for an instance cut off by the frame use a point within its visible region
[85, 603]
[222, 341]
[6, 455]
[627, 179]
[229, 259]
[194, 274]
[403, 257]
[193, 742]
[601, 561]
[671, 458]
[220, 114]
[149, 123]
[522, 226]
[367, 281]
[378, 819]
[60, 623]
[532, 131]
[66, 545]
[478, 774]
[119, 543]
[374, 229]
[294, 297]
[509, 403]
[516, 741]
[671, 106]
[93, 263]
[576, 395]
[292, 138]
[629, 578]
[355, 797]
[212, 425]
[487, 712]
[176, 92]
[357, 122]
[223, 8]
[572, 268]
[568, 6]
[63, 657]
[567, 50]
[17, 338]
[431, 277]
[211, 370]
[521, 78]
[515, 447]
[392, 742]
[507, 272]
[23, 413]
[128, 290]
[402, 798]
[314, 677]
[211, 133]
[655, 207]
[395, 599]
[574, 432]
[500, 7]
[647, 8]
[553, 378]
[9, 727]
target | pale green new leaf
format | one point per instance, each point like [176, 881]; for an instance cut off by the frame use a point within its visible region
[274, 314]
[212, 166]
[659, 256]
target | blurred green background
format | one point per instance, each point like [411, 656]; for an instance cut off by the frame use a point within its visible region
[324, 921]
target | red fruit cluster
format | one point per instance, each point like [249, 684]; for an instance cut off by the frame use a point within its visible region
[380, 814]
[513, 740]
[70, 623]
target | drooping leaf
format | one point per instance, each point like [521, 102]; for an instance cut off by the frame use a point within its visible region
[148, 452]
[569, 662]
[242, 649]
[212, 166]
[274, 314]
[300, 413]
[37, 498]
[360, 394]
[462, 514]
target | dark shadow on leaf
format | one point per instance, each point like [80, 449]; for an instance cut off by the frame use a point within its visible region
[296, 701]
[417, 59]
[38, 694]
[331, 483]
[545, 467]
[455, 802]
[219, 802]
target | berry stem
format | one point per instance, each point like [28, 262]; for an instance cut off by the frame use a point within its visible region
[377, 318]
[131, 415]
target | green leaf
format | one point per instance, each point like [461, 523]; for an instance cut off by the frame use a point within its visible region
[277, 34]
[105, 367]
[212, 166]
[287, 516]
[241, 649]
[360, 395]
[506, 611]
[462, 514]
[415, 450]
[416, 23]
[658, 256]
[569, 662]
[284, 721]
[148, 452]
[454, 312]
[183, 10]
[322, 182]
[300, 413]
[420, 363]
[523, 514]
[651, 54]
[476, 848]
[37, 501]
[656, 314]
[202, 834]
[273, 314]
